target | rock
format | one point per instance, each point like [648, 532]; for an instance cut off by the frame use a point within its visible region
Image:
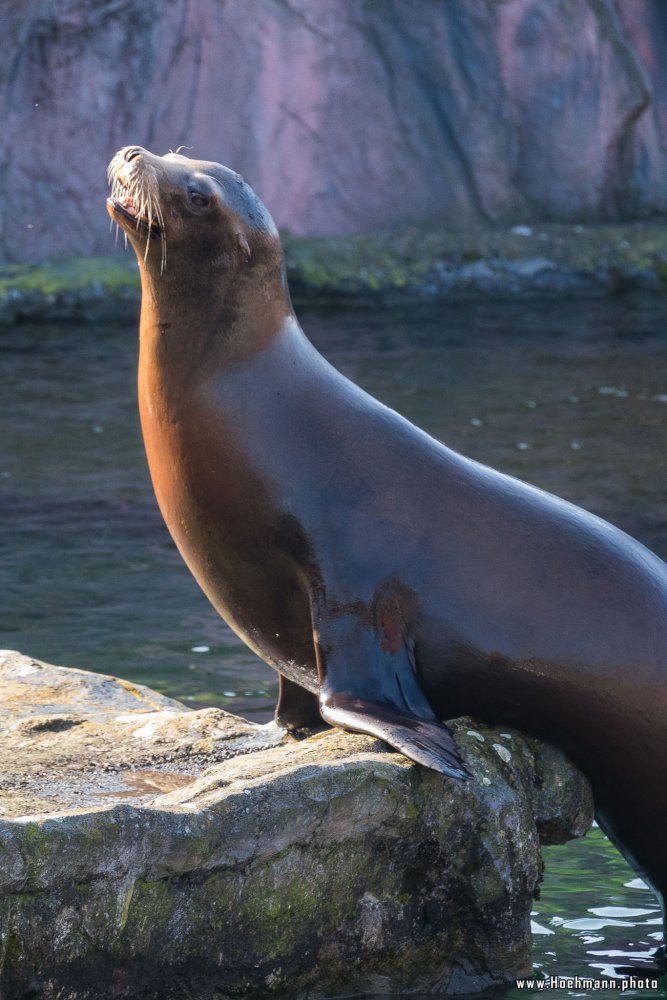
[389, 268]
[75, 290]
[151, 851]
[345, 117]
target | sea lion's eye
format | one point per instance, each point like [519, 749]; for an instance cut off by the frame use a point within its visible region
[198, 199]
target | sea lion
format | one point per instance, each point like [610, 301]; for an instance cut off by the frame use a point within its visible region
[390, 581]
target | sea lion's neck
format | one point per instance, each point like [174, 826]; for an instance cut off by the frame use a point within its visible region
[208, 317]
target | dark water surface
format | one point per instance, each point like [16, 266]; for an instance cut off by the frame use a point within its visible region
[569, 396]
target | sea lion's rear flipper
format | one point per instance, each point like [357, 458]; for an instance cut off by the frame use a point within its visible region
[374, 690]
[427, 742]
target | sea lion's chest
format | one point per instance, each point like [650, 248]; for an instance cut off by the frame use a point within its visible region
[226, 519]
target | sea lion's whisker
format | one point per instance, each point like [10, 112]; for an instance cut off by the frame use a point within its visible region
[134, 186]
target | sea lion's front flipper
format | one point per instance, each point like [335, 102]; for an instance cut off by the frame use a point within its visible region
[375, 690]
[297, 710]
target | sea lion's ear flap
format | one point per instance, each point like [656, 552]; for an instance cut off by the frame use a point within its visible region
[244, 245]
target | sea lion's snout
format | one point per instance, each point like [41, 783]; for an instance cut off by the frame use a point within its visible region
[118, 169]
[129, 152]
[126, 164]
[134, 197]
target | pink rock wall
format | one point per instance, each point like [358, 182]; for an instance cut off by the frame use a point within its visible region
[345, 115]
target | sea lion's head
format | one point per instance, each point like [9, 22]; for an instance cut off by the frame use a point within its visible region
[196, 226]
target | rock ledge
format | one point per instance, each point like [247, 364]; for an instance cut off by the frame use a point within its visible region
[405, 266]
[151, 851]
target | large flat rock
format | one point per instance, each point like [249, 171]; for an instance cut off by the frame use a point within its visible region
[71, 739]
[151, 851]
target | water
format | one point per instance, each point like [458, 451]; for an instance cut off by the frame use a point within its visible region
[593, 911]
[570, 396]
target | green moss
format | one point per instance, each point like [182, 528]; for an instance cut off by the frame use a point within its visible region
[36, 848]
[292, 909]
[292, 893]
[269, 908]
[85, 890]
[402, 265]
[145, 913]
[13, 951]
[72, 275]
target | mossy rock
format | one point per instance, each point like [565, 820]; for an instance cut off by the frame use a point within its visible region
[324, 866]
[407, 265]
